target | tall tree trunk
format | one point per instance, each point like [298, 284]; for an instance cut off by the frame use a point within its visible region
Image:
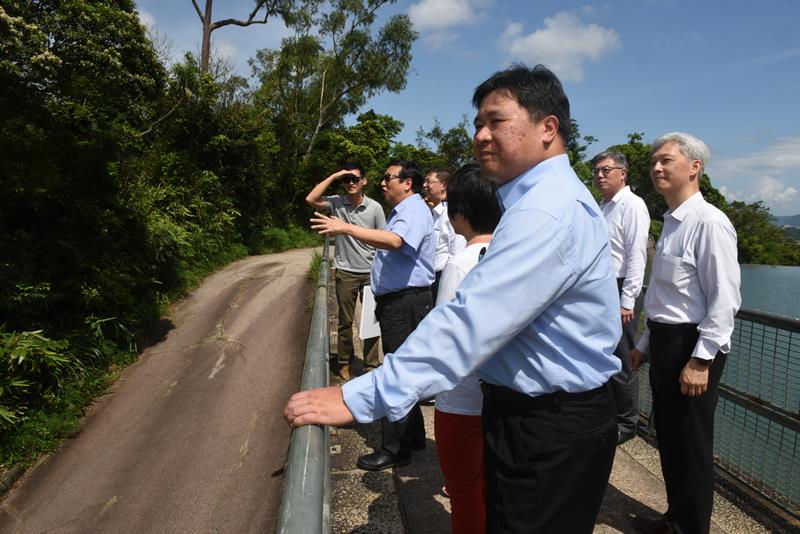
[205, 48]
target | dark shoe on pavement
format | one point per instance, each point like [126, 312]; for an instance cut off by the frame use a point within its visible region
[622, 437]
[648, 525]
[380, 460]
[420, 446]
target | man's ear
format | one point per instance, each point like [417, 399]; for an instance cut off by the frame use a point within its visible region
[549, 128]
[696, 166]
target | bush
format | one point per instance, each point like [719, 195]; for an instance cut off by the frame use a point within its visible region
[279, 239]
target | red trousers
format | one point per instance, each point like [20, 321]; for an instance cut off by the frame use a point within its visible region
[459, 444]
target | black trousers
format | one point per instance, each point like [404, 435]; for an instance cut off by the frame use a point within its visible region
[547, 459]
[625, 384]
[684, 426]
[398, 315]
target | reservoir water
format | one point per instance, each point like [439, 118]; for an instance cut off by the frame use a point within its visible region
[773, 289]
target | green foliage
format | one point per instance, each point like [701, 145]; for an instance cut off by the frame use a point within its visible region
[451, 148]
[314, 267]
[759, 240]
[278, 239]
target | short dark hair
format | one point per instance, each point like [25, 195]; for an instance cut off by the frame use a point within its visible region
[474, 197]
[354, 165]
[618, 158]
[536, 89]
[410, 170]
[442, 174]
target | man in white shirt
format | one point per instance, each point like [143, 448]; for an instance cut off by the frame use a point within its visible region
[692, 298]
[448, 242]
[628, 225]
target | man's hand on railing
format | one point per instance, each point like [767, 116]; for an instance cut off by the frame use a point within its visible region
[324, 406]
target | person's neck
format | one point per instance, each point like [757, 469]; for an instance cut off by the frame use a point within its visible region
[356, 198]
[410, 194]
[608, 197]
[474, 238]
[674, 201]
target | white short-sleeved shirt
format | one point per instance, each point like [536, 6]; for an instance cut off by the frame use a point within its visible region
[466, 398]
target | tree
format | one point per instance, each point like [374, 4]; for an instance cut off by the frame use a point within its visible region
[453, 147]
[759, 240]
[80, 78]
[577, 154]
[314, 81]
[263, 9]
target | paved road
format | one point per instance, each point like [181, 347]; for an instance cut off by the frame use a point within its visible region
[191, 440]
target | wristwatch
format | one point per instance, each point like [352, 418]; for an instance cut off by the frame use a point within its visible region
[702, 362]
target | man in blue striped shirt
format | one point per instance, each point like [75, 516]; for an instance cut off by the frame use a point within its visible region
[537, 318]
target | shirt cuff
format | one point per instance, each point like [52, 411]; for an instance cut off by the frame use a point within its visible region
[626, 302]
[705, 349]
[643, 345]
[361, 397]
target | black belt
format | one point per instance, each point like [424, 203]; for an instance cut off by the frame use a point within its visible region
[664, 327]
[402, 292]
[546, 401]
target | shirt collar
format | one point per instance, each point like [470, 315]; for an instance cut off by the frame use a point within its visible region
[409, 200]
[686, 207]
[440, 208]
[622, 192]
[510, 192]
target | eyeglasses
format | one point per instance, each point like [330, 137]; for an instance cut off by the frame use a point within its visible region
[351, 179]
[388, 177]
[604, 170]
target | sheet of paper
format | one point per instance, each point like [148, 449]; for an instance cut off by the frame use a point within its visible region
[368, 326]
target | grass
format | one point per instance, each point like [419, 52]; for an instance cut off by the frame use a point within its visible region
[316, 263]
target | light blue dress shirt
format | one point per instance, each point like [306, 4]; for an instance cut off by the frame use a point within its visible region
[412, 264]
[539, 313]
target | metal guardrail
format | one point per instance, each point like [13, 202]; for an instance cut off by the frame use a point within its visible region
[305, 506]
[757, 429]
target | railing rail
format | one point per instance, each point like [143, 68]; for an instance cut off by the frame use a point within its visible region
[757, 436]
[305, 506]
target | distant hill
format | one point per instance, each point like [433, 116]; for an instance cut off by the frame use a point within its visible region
[787, 220]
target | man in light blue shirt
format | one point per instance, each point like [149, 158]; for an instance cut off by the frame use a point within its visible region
[532, 317]
[401, 276]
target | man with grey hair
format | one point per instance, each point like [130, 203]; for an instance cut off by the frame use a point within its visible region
[692, 298]
[628, 225]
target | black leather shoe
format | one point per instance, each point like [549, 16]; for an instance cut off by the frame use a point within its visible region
[380, 460]
[622, 437]
[648, 525]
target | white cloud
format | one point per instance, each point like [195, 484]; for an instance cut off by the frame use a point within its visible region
[441, 14]
[563, 45]
[783, 156]
[769, 175]
[772, 192]
[147, 18]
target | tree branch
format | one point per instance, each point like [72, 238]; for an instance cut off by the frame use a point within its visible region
[199, 13]
[249, 21]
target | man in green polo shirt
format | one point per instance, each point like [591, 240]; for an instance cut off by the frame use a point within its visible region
[353, 258]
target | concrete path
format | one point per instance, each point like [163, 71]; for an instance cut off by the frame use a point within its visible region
[191, 439]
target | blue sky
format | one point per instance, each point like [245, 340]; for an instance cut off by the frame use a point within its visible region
[725, 71]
